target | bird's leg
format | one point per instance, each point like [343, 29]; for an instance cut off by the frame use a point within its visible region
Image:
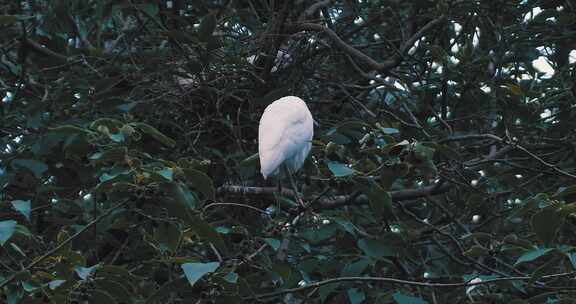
[279, 182]
[294, 188]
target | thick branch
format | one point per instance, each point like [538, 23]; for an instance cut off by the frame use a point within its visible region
[375, 65]
[312, 9]
[405, 282]
[43, 50]
[333, 202]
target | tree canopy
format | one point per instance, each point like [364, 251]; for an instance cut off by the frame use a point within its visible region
[442, 167]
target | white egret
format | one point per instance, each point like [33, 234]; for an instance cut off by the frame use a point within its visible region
[284, 136]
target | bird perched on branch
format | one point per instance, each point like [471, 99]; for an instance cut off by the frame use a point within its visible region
[284, 136]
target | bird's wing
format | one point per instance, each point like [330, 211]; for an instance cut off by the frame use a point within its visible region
[286, 128]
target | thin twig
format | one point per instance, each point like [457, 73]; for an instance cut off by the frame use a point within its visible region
[61, 245]
[404, 282]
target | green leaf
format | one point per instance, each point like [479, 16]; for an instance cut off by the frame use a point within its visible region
[326, 290]
[85, 272]
[389, 174]
[374, 248]
[542, 270]
[231, 277]
[207, 27]
[356, 296]
[7, 228]
[572, 258]
[201, 181]
[154, 133]
[179, 200]
[379, 199]
[150, 8]
[567, 209]
[24, 207]
[36, 167]
[116, 137]
[168, 235]
[55, 284]
[390, 131]
[564, 191]
[546, 223]
[356, 268]
[274, 243]
[401, 298]
[207, 232]
[117, 274]
[109, 123]
[476, 251]
[346, 225]
[423, 152]
[532, 255]
[97, 296]
[195, 271]
[283, 270]
[167, 173]
[115, 289]
[340, 169]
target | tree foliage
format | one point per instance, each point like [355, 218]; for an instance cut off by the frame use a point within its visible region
[442, 168]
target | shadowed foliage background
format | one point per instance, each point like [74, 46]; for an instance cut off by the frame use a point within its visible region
[443, 153]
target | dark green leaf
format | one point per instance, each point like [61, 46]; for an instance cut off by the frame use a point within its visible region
[274, 243]
[544, 269]
[231, 277]
[532, 255]
[389, 174]
[97, 296]
[24, 207]
[380, 200]
[168, 235]
[546, 223]
[147, 129]
[201, 181]
[207, 27]
[6, 230]
[476, 251]
[356, 295]
[35, 166]
[116, 290]
[207, 232]
[374, 248]
[401, 298]
[356, 268]
[340, 169]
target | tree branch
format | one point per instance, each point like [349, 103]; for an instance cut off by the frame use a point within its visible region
[334, 202]
[375, 65]
[404, 282]
[514, 145]
[61, 245]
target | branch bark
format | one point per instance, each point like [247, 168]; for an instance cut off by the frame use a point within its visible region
[386, 65]
[338, 201]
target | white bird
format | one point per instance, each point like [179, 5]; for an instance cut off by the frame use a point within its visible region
[284, 135]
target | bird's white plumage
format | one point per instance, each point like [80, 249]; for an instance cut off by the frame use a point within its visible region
[284, 135]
